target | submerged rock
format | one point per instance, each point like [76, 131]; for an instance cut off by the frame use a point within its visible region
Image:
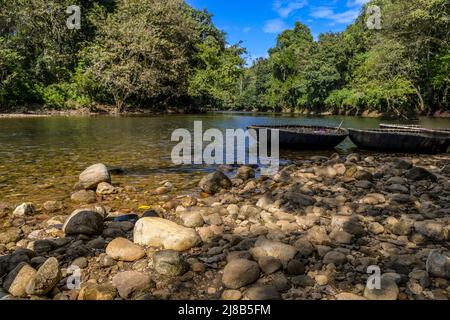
[214, 182]
[93, 175]
[25, 209]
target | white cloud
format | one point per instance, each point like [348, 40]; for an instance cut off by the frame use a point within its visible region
[274, 26]
[352, 3]
[285, 7]
[322, 12]
[346, 17]
[328, 13]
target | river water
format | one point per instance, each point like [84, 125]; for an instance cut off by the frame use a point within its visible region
[41, 158]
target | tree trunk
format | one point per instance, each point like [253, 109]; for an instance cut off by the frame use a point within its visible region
[422, 108]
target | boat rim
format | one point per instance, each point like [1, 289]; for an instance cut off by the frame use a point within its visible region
[286, 128]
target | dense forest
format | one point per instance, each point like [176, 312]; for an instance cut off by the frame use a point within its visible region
[153, 54]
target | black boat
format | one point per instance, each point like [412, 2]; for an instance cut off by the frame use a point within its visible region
[306, 137]
[413, 127]
[400, 140]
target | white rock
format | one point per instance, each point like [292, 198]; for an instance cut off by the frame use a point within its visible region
[158, 232]
[25, 209]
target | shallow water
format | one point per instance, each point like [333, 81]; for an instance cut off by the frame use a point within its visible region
[41, 158]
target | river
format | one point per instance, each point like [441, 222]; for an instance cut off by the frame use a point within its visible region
[41, 158]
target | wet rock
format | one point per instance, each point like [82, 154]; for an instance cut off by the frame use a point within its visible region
[239, 273]
[157, 232]
[47, 276]
[124, 250]
[275, 249]
[104, 188]
[84, 196]
[93, 175]
[269, 265]
[231, 295]
[17, 280]
[131, 283]
[25, 209]
[192, 219]
[83, 222]
[418, 174]
[214, 182]
[99, 292]
[260, 292]
[53, 206]
[438, 265]
[170, 263]
[388, 290]
[245, 173]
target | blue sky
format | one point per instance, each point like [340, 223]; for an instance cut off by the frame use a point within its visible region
[258, 22]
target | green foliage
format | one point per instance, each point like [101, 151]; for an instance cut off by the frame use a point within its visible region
[402, 68]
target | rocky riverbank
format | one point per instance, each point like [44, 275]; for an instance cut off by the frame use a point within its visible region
[312, 231]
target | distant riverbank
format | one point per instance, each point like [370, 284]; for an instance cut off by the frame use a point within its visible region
[41, 112]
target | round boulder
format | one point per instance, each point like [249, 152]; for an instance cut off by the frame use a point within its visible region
[92, 176]
[239, 273]
[84, 222]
